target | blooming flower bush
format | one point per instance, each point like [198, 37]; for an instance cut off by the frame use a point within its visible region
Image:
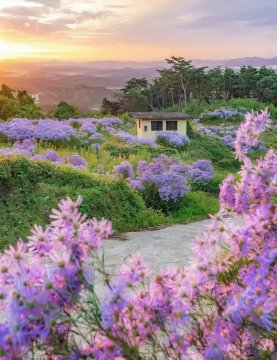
[133, 139]
[124, 169]
[172, 139]
[27, 148]
[41, 281]
[159, 181]
[86, 129]
[43, 129]
[227, 114]
[221, 306]
[77, 161]
[165, 180]
[228, 134]
[201, 171]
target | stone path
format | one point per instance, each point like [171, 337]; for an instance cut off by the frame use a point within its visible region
[170, 246]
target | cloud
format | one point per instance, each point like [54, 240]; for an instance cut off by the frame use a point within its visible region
[41, 20]
[46, 3]
[188, 28]
[88, 15]
[224, 13]
[22, 11]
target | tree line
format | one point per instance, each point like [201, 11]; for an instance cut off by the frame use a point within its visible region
[18, 103]
[181, 82]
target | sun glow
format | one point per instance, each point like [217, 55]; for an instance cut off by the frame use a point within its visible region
[12, 50]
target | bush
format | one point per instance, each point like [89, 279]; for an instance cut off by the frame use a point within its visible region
[206, 147]
[28, 191]
[211, 186]
[173, 140]
[126, 151]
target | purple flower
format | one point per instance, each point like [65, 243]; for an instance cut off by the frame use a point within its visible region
[172, 139]
[77, 161]
[124, 169]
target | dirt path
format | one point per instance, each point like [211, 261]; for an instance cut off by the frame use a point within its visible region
[170, 246]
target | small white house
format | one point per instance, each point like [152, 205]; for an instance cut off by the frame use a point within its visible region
[150, 123]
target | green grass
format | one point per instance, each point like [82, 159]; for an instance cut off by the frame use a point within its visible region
[195, 206]
[28, 192]
[206, 147]
[196, 108]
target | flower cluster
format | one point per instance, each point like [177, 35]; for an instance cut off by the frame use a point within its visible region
[132, 139]
[41, 280]
[86, 129]
[258, 123]
[162, 174]
[124, 169]
[170, 176]
[228, 135]
[43, 129]
[224, 113]
[27, 148]
[172, 139]
[201, 171]
[77, 161]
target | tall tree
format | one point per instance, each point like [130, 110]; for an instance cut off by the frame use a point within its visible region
[6, 91]
[65, 111]
[249, 76]
[183, 69]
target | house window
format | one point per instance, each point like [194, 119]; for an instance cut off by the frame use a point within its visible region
[171, 125]
[145, 128]
[156, 125]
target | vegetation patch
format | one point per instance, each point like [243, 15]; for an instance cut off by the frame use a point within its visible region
[28, 191]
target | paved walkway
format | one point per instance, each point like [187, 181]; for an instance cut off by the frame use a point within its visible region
[170, 246]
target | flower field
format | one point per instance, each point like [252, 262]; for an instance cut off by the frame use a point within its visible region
[176, 179]
[221, 306]
[106, 150]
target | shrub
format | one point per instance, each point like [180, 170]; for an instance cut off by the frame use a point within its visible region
[160, 182]
[174, 140]
[211, 186]
[127, 151]
[29, 190]
[124, 169]
[206, 147]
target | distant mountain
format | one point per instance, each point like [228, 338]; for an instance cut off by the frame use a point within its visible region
[254, 61]
[85, 84]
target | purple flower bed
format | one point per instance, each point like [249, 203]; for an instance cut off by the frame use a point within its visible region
[222, 305]
[54, 130]
[224, 113]
[124, 169]
[171, 185]
[227, 134]
[170, 176]
[132, 139]
[44, 129]
[172, 139]
[27, 148]
[201, 171]
[77, 161]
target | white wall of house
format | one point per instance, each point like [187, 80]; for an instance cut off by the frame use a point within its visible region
[144, 128]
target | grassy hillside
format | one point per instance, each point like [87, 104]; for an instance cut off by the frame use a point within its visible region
[29, 190]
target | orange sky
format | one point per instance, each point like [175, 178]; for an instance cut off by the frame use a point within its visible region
[137, 29]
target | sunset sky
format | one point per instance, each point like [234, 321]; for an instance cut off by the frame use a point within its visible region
[137, 29]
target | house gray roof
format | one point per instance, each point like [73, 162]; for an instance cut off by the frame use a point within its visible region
[160, 115]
